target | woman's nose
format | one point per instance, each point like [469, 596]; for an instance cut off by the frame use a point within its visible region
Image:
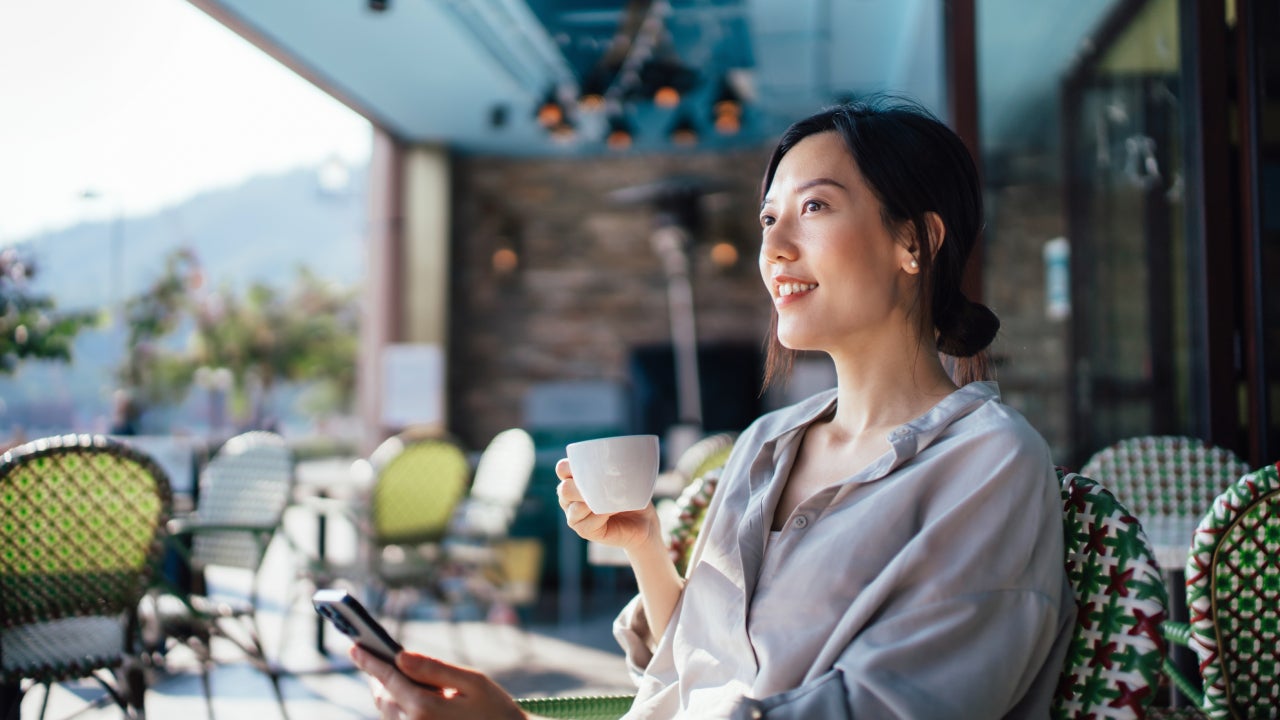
[777, 245]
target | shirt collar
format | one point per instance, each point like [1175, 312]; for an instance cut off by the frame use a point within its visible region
[908, 438]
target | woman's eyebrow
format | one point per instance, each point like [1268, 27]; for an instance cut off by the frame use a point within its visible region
[821, 181]
[809, 185]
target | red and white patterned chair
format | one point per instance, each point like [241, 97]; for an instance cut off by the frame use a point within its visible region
[1113, 665]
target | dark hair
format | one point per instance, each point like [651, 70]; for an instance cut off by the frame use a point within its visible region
[915, 165]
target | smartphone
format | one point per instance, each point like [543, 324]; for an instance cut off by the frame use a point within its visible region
[350, 617]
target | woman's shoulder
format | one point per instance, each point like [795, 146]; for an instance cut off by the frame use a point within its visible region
[780, 420]
[992, 419]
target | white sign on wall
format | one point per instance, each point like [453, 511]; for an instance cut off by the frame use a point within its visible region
[412, 385]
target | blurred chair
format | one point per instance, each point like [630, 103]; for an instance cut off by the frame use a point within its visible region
[243, 492]
[710, 451]
[81, 519]
[483, 563]
[1165, 476]
[1233, 592]
[417, 483]
[1113, 664]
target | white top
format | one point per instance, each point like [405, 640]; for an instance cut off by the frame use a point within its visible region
[930, 584]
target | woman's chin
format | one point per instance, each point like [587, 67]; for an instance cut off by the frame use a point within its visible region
[793, 342]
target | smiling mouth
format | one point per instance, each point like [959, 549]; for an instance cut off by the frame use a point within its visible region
[785, 289]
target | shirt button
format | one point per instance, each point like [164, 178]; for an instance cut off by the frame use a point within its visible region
[899, 432]
[800, 523]
[757, 713]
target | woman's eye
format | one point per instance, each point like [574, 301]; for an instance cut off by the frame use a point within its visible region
[812, 206]
[766, 220]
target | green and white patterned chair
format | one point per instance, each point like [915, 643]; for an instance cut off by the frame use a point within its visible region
[81, 521]
[1165, 475]
[1233, 596]
[1113, 665]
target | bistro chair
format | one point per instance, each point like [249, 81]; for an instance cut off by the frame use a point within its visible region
[477, 541]
[1113, 664]
[417, 483]
[707, 453]
[1165, 476]
[81, 521]
[242, 495]
[1233, 598]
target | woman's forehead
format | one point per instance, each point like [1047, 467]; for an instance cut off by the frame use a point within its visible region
[822, 155]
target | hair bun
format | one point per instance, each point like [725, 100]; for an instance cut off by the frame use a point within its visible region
[970, 329]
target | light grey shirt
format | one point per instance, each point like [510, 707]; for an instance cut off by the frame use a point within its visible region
[930, 584]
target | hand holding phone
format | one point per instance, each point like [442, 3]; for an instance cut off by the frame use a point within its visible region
[350, 617]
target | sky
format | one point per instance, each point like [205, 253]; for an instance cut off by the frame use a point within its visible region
[142, 104]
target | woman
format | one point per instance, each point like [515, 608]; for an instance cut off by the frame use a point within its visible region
[888, 548]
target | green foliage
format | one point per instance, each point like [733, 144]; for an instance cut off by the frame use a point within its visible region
[262, 337]
[154, 376]
[30, 326]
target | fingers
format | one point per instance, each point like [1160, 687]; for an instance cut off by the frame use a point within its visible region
[563, 471]
[438, 674]
[567, 490]
[395, 692]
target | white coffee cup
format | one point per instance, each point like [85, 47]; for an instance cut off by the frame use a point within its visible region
[615, 474]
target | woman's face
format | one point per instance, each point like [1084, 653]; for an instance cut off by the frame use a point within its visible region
[838, 278]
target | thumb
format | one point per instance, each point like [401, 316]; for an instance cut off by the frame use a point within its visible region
[430, 671]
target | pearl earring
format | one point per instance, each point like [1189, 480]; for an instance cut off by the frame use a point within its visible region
[914, 265]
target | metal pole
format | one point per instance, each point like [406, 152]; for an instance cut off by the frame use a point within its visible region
[670, 242]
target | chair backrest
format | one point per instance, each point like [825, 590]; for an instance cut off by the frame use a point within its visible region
[80, 537]
[247, 483]
[1114, 662]
[415, 492]
[1165, 474]
[692, 506]
[501, 478]
[706, 454]
[1233, 598]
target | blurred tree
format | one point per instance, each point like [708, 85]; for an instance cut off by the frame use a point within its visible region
[306, 335]
[260, 339]
[152, 375]
[30, 327]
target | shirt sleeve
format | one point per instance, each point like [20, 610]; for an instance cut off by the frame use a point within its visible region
[631, 630]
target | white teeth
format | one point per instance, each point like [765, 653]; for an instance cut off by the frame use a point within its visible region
[786, 289]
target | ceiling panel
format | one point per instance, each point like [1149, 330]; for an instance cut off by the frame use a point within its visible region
[471, 73]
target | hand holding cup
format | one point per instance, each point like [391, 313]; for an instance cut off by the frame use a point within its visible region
[606, 487]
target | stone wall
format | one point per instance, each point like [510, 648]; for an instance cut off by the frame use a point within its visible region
[589, 287]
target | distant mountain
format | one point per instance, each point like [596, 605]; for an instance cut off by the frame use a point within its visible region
[262, 230]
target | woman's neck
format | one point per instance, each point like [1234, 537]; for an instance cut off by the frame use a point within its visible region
[879, 390]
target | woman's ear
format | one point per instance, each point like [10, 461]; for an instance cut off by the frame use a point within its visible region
[937, 231]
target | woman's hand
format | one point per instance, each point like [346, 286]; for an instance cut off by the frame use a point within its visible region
[625, 529]
[462, 693]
